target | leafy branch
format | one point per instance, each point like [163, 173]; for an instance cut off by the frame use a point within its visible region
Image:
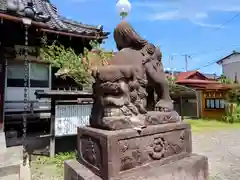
[76, 66]
[233, 96]
[69, 63]
[224, 80]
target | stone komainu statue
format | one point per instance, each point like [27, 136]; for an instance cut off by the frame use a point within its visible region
[124, 90]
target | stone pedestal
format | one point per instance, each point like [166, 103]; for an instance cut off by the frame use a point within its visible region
[10, 163]
[192, 167]
[159, 151]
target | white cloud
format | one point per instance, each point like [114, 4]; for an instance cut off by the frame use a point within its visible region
[145, 4]
[152, 3]
[226, 8]
[197, 12]
[208, 25]
[177, 15]
[79, 1]
[168, 15]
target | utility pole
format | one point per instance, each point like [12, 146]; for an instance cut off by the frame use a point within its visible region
[172, 73]
[186, 61]
[171, 65]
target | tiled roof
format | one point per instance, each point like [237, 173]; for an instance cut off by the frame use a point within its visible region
[211, 85]
[184, 75]
[210, 76]
[197, 81]
[45, 9]
[205, 84]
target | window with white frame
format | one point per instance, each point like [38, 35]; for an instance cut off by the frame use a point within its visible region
[215, 103]
[38, 73]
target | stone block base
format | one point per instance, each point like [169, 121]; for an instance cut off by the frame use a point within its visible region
[10, 163]
[109, 153]
[192, 167]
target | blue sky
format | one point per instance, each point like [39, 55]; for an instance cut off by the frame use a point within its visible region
[177, 26]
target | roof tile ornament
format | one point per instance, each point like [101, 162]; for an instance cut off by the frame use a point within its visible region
[18, 7]
[12, 5]
[45, 12]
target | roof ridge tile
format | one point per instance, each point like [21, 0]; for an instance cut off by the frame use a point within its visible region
[58, 22]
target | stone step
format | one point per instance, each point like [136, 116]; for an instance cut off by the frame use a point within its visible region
[10, 177]
[2, 142]
[10, 161]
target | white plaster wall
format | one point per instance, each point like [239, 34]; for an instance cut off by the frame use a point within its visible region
[231, 66]
[231, 70]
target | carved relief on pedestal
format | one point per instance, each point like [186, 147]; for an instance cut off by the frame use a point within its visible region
[137, 151]
[90, 151]
[158, 147]
[161, 147]
[132, 154]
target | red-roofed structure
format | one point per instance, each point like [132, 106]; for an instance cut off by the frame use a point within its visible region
[210, 94]
[190, 75]
[197, 80]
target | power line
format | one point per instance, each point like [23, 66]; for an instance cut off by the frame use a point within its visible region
[186, 65]
[226, 22]
[229, 20]
[220, 27]
[187, 56]
[208, 64]
[204, 52]
[207, 51]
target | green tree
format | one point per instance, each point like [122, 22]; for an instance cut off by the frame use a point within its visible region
[68, 62]
[224, 80]
[171, 80]
[233, 96]
[101, 52]
[76, 66]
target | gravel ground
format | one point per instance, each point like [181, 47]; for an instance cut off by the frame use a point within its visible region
[223, 151]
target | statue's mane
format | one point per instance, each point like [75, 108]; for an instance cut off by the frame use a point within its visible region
[126, 37]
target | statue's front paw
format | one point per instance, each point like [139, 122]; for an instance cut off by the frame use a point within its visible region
[164, 106]
[162, 109]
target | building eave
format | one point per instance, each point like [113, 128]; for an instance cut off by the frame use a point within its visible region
[65, 33]
[50, 21]
[5, 16]
[228, 56]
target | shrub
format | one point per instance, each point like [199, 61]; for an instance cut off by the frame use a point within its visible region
[232, 113]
